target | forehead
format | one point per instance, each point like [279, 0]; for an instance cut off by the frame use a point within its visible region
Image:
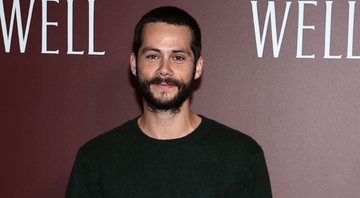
[163, 34]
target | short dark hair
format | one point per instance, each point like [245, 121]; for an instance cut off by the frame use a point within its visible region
[170, 15]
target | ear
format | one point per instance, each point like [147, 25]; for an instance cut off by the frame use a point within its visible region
[199, 67]
[133, 63]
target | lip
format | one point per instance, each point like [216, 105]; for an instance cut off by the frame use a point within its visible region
[164, 85]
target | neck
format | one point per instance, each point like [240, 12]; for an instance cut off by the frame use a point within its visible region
[169, 124]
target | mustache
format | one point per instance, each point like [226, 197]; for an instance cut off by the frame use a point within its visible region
[169, 81]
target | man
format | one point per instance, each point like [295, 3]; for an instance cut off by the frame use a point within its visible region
[169, 151]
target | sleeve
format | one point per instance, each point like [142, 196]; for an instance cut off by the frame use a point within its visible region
[84, 179]
[257, 181]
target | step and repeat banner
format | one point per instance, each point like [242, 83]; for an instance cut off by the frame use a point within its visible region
[284, 72]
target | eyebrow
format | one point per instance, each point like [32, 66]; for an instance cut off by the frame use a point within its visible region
[146, 49]
[182, 51]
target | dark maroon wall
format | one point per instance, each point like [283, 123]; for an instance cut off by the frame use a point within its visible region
[304, 112]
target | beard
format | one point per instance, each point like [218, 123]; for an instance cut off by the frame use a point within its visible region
[164, 104]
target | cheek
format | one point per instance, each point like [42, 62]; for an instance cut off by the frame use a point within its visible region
[146, 68]
[188, 74]
[144, 72]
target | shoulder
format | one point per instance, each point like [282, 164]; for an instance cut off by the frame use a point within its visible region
[109, 140]
[231, 139]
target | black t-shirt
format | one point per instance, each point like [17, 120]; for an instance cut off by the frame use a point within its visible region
[213, 161]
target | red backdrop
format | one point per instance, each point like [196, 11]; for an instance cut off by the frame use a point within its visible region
[305, 112]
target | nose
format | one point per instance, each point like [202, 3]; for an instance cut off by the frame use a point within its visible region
[165, 68]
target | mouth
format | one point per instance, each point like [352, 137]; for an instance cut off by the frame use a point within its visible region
[164, 85]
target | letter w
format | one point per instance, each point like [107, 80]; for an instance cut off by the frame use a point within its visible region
[270, 14]
[16, 11]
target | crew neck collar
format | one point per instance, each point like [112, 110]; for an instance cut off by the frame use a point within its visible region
[196, 134]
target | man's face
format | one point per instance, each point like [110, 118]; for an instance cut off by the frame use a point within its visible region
[165, 66]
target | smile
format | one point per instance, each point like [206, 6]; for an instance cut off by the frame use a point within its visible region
[164, 85]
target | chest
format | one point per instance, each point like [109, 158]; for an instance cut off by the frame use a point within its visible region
[195, 172]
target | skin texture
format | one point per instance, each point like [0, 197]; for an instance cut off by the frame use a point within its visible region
[166, 53]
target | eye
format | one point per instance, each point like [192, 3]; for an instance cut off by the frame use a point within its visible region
[152, 57]
[178, 58]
